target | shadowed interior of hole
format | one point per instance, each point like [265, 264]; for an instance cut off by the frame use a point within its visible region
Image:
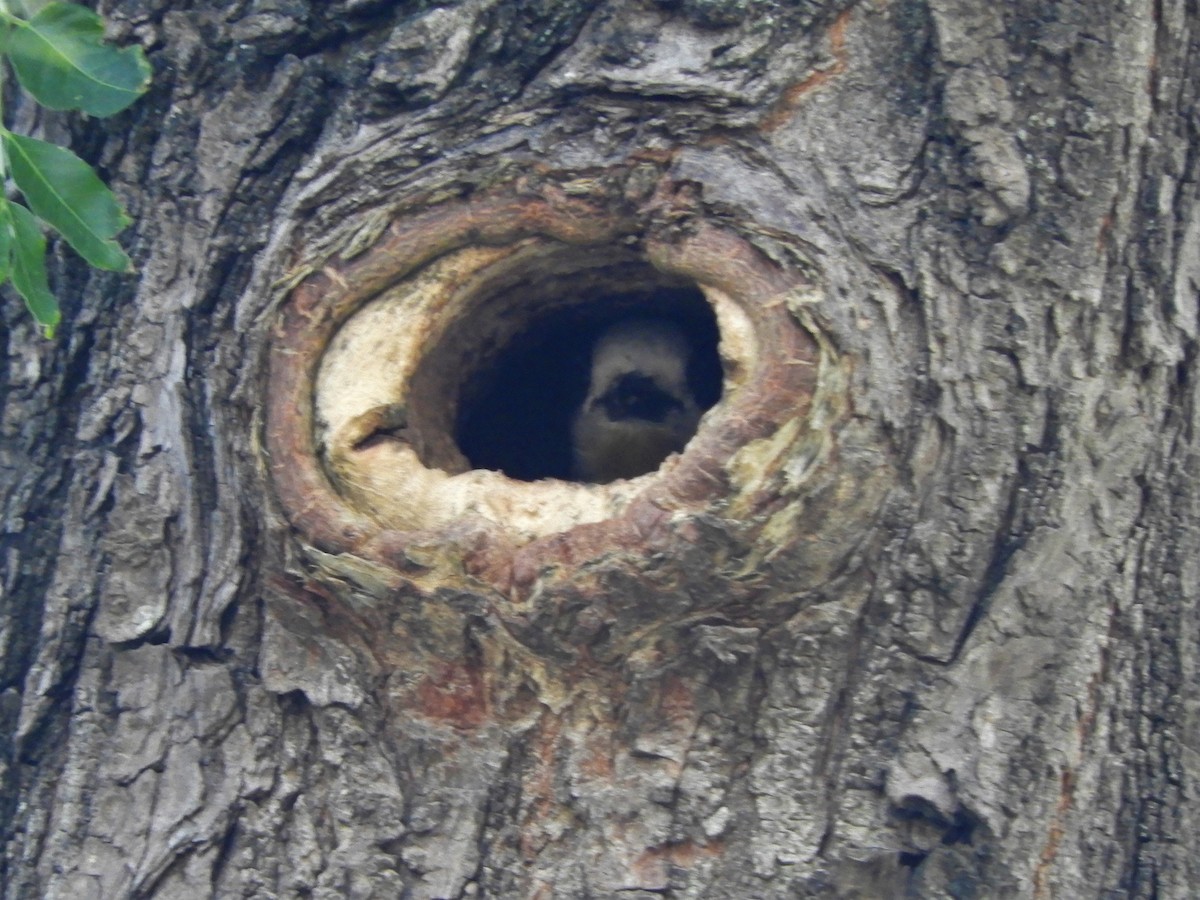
[515, 411]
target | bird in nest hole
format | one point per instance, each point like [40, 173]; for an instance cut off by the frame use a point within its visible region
[639, 407]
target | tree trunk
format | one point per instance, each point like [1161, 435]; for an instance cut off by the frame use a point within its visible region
[914, 614]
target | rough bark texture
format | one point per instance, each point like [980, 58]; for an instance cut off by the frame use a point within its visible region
[974, 677]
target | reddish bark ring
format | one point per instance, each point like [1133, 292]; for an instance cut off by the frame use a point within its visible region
[674, 238]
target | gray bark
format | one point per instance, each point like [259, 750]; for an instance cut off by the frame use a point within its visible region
[958, 658]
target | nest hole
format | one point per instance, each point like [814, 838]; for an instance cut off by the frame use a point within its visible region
[507, 378]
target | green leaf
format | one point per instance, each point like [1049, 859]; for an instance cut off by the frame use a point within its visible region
[28, 254]
[64, 191]
[60, 58]
[26, 9]
[7, 240]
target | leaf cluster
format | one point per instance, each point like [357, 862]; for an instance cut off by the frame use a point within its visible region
[60, 58]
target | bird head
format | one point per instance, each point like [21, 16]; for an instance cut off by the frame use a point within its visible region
[639, 407]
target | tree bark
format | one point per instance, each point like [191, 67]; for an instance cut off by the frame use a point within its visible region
[947, 649]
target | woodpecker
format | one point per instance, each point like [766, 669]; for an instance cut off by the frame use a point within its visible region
[639, 407]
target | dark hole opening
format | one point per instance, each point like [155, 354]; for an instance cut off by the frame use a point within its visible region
[962, 829]
[516, 412]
